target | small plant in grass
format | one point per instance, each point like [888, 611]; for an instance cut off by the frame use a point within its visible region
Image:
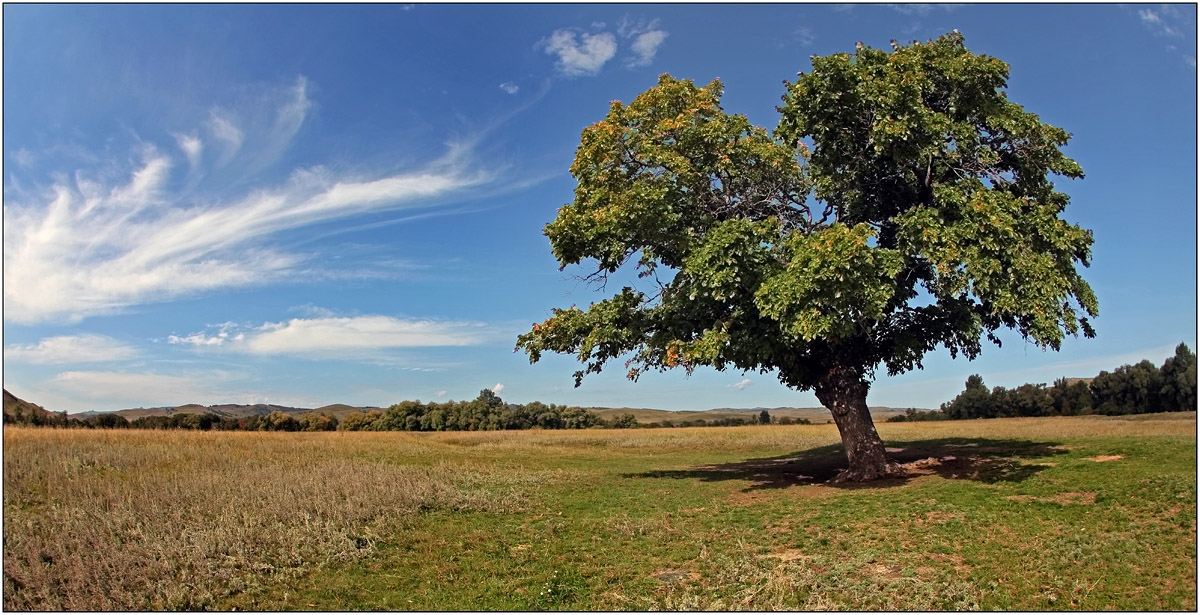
[560, 589]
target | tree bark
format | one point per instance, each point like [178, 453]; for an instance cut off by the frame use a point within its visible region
[844, 393]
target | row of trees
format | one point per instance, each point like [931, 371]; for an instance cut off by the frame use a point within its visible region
[1129, 389]
[484, 413]
[275, 421]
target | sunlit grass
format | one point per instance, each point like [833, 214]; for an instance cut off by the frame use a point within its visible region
[1026, 514]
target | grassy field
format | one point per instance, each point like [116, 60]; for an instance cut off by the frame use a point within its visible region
[1073, 513]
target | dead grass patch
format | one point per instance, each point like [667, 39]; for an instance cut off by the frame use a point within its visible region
[152, 520]
[788, 555]
[1103, 458]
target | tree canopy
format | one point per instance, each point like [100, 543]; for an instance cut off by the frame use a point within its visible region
[902, 203]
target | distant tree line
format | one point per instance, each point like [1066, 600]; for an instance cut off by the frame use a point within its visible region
[484, 413]
[275, 421]
[1129, 389]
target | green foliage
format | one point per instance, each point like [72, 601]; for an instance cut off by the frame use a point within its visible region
[921, 215]
[913, 415]
[1178, 373]
[764, 418]
[486, 412]
[1129, 389]
[359, 421]
[312, 421]
[624, 421]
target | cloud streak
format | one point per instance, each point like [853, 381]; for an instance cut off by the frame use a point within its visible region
[85, 348]
[327, 336]
[89, 247]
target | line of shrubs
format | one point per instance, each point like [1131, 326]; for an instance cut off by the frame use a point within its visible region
[1129, 389]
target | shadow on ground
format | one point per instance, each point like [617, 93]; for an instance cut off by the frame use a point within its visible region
[984, 460]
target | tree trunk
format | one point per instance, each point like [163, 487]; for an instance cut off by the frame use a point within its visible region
[844, 393]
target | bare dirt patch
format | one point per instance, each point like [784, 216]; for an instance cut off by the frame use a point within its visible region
[788, 555]
[929, 465]
[881, 570]
[953, 559]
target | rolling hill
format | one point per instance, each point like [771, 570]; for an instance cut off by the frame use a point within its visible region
[643, 415]
[15, 406]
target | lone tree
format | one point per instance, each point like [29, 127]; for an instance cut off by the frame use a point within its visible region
[901, 203]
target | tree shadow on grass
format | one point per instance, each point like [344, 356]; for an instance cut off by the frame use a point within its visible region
[984, 460]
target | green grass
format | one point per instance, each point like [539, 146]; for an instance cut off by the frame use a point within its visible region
[1009, 514]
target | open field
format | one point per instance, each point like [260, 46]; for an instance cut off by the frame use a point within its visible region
[1030, 514]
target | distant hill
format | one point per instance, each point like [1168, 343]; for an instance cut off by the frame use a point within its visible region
[235, 411]
[16, 407]
[643, 415]
[340, 410]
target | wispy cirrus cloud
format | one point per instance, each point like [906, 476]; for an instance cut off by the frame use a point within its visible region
[1176, 23]
[741, 386]
[96, 245]
[647, 37]
[64, 349]
[346, 337]
[921, 10]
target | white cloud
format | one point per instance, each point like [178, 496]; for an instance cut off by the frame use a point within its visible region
[1173, 22]
[1156, 23]
[440, 394]
[498, 388]
[222, 128]
[225, 333]
[582, 55]
[647, 38]
[645, 46]
[84, 348]
[804, 35]
[509, 87]
[922, 10]
[95, 246]
[741, 386]
[192, 147]
[339, 337]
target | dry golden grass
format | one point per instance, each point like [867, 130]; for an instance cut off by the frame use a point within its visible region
[118, 520]
[125, 520]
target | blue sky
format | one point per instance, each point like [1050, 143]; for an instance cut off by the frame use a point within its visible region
[315, 204]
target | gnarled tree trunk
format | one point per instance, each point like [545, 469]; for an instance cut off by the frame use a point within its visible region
[844, 393]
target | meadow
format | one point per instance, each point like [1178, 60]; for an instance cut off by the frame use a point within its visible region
[1070, 513]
